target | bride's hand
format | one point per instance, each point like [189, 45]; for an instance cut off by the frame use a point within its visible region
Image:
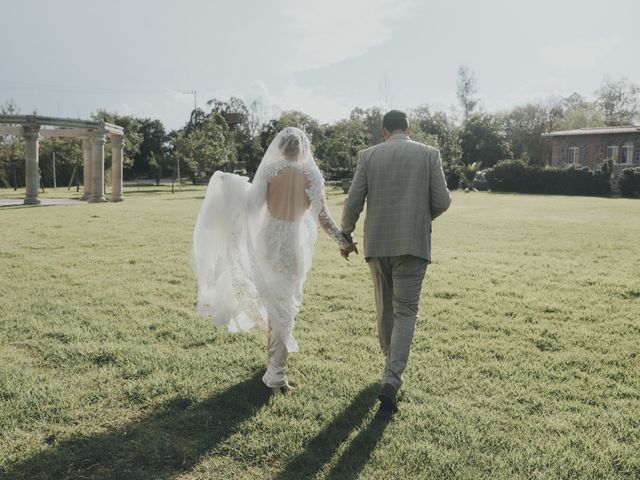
[351, 248]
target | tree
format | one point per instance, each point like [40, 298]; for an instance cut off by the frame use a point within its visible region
[69, 156]
[10, 107]
[419, 135]
[443, 127]
[244, 129]
[234, 105]
[205, 147]
[142, 137]
[11, 152]
[234, 112]
[337, 148]
[155, 169]
[467, 87]
[256, 119]
[577, 111]
[152, 147]
[619, 101]
[132, 136]
[372, 120]
[523, 127]
[482, 140]
[291, 118]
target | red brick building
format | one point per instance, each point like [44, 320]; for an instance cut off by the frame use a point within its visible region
[592, 146]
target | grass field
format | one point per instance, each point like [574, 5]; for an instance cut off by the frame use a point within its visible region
[525, 362]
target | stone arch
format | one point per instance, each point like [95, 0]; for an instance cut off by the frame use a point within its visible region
[93, 135]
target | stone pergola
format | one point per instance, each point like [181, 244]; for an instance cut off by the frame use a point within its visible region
[93, 135]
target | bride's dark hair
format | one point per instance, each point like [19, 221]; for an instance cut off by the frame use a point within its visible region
[293, 142]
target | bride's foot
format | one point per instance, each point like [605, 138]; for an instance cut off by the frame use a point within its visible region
[285, 389]
[274, 391]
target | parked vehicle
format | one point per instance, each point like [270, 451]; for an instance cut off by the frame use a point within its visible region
[480, 181]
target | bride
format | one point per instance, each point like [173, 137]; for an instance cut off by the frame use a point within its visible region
[253, 245]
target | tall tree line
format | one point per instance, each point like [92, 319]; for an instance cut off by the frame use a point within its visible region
[231, 135]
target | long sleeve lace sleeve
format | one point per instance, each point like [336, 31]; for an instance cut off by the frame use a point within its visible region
[331, 228]
[315, 193]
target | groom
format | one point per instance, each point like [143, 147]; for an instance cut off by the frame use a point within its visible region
[405, 189]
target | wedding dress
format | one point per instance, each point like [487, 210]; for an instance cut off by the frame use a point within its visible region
[253, 242]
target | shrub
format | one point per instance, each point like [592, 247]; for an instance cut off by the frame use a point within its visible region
[629, 182]
[506, 176]
[453, 180]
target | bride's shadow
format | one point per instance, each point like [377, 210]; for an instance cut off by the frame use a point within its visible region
[170, 440]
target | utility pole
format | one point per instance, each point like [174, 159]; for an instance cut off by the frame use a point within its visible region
[179, 182]
[54, 171]
[13, 164]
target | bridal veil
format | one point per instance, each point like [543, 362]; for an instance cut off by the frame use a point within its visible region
[253, 241]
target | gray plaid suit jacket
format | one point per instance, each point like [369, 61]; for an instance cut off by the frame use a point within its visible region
[405, 189]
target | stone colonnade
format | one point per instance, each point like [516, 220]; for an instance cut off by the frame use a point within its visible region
[93, 135]
[93, 167]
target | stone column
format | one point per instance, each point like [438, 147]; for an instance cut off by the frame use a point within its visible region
[97, 168]
[31, 135]
[86, 168]
[116, 168]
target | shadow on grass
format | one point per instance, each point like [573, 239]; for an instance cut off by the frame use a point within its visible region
[323, 446]
[161, 190]
[144, 191]
[15, 207]
[169, 441]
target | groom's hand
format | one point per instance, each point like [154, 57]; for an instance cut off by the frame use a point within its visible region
[351, 248]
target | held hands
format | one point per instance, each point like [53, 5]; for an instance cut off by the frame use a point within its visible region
[351, 248]
[344, 252]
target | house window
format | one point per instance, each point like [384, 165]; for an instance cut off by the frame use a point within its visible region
[574, 154]
[627, 152]
[612, 152]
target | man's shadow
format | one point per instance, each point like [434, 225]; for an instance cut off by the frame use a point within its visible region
[324, 445]
[170, 440]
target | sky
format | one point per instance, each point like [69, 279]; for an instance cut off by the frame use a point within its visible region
[70, 58]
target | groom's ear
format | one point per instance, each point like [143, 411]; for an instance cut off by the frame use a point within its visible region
[385, 133]
[409, 131]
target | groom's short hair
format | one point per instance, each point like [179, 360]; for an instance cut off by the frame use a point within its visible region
[395, 120]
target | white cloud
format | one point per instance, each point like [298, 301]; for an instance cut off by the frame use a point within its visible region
[581, 53]
[124, 109]
[330, 31]
[326, 106]
[179, 96]
[323, 105]
[174, 106]
[534, 90]
[261, 101]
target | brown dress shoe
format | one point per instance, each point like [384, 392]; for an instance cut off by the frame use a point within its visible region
[387, 397]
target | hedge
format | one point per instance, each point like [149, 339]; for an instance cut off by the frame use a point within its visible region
[515, 176]
[629, 182]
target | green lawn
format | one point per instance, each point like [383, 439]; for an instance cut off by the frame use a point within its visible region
[524, 365]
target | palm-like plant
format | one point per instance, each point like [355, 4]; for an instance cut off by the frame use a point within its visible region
[467, 173]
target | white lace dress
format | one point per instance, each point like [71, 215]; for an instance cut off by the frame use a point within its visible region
[251, 264]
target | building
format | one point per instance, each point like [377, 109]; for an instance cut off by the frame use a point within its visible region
[591, 146]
